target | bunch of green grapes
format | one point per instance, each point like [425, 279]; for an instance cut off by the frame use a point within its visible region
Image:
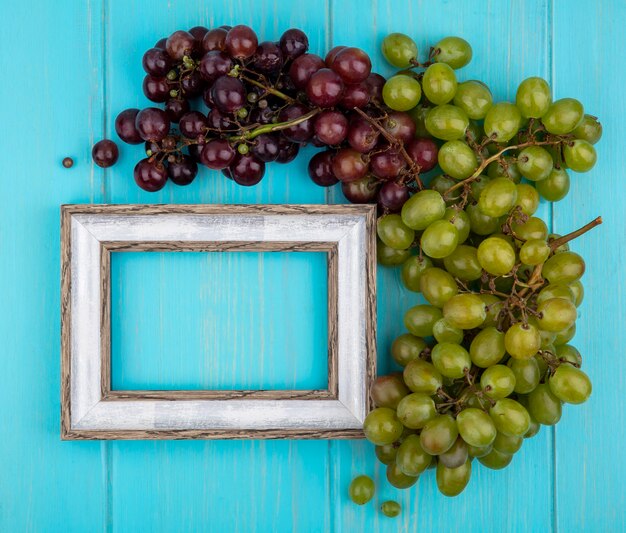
[487, 358]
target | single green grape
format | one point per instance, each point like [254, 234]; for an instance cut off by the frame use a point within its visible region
[502, 121]
[556, 186]
[399, 50]
[463, 263]
[556, 314]
[533, 97]
[418, 116]
[496, 256]
[526, 372]
[493, 306]
[555, 291]
[412, 270]
[451, 360]
[422, 376]
[505, 167]
[563, 337]
[461, 222]
[456, 456]
[527, 198]
[415, 409]
[446, 122]
[496, 460]
[473, 97]
[453, 51]
[544, 406]
[387, 391]
[567, 352]
[443, 331]
[580, 156]
[507, 444]
[465, 311]
[478, 186]
[422, 209]
[386, 454]
[437, 286]
[497, 381]
[411, 459]
[420, 319]
[439, 434]
[390, 508]
[535, 163]
[589, 130]
[399, 480]
[480, 223]
[565, 267]
[570, 384]
[474, 451]
[439, 83]
[563, 116]
[394, 233]
[510, 417]
[361, 489]
[476, 427]
[387, 256]
[401, 92]
[381, 426]
[534, 251]
[441, 184]
[533, 429]
[578, 291]
[452, 481]
[407, 347]
[457, 159]
[522, 341]
[498, 197]
[439, 239]
[533, 228]
[487, 348]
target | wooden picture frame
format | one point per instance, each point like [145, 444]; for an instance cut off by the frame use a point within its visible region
[91, 410]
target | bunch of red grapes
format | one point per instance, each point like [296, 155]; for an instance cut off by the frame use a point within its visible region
[264, 101]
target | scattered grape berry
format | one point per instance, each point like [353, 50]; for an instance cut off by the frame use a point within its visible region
[105, 153]
[68, 162]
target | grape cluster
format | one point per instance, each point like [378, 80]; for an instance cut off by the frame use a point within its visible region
[486, 360]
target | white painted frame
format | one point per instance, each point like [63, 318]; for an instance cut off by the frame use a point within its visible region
[87, 413]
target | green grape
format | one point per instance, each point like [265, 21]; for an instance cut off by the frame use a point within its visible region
[487, 348]
[390, 508]
[411, 459]
[412, 270]
[480, 223]
[533, 429]
[361, 489]
[443, 331]
[422, 209]
[441, 184]
[465, 311]
[496, 460]
[498, 197]
[507, 444]
[439, 239]
[579, 155]
[567, 352]
[418, 116]
[406, 348]
[510, 417]
[541, 363]
[493, 306]
[461, 222]
[565, 267]
[399, 480]
[533, 228]
[498, 381]
[544, 406]
[589, 130]
[453, 51]
[394, 233]
[463, 263]
[476, 427]
[439, 83]
[422, 376]
[555, 187]
[556, 314]
[399, 50]
[457, 159]
[526, 372]
[474, 451]
[387, 391]
[401, 92]
[505, 167]
[496, 256]
[563, 337]
[535, 163]
[533, 97]
[522, 341]
[388, 256]
[439, 434]
[419, 320]
[527, 198]
[446, 122]
[386, 454]
[473, 97]
[451, 360]
[502, 121]
[381, 426]
[455, 456]
[578, 291]
[415, 410]
[534, 252]
[452, 481]
[563, 116]
[478, 186]
[437, 286]
[570, 384]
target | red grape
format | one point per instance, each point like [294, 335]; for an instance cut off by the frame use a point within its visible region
[219, 121]
[352, 64]
[247, 170]
[125, 126]
[349, 165]
[156, 89]
[217, 154]
[228, 94]
[152, 124]
[214, 64]
[332, 54]
[266, 147]
[183, 171]
[180, 43]
[157, 62]
[320, 169]
[241, 42]
[293, 43]
[193, 124]
[360, 191]
[331, 127]
[423, 152]
[303, 67]
[400, 125]
[150, 175]
[392, 196]
[268, 58]
[214, 40]
[300, 132]
[105, 153]
[362, 136]
[325, 88]
[375, 84]
[287, 151]
[198, 33]
[161, 43]
[355, 95]
[176, 108]
[192, 84]
[387, 164]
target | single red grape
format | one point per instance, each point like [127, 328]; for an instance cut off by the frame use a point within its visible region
[293, 43]
[360, 191]
[266, 147]
[156, 89]
[180, 43]
[287, 150]
[331, 127]
[247, 170]
[214, 64]
[125, 126]
[303, 67]
[375, 84]
[362, 136]
[299, 132]
[105, 153]
[332, 54]
[214, 40]
[355, 95]
[157, 62]
[325, 88]
[423, 152]
[320, 169]
[182, 171]
[400, 125]
[228, 94]
[150, 175]
[268, 58]
[217, 154]
[352, 64]
[176, 108]
[152, 124]
[193, 124]
[392, 196]
[241, 42]
[192, 84]
[349, 165]
[387, 164]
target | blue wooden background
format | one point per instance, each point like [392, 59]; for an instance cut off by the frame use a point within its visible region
[68, 67]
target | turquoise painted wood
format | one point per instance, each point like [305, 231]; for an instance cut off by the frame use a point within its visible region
[69, 68]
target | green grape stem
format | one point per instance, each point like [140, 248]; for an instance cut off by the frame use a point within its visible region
[269, 90]
[574, 234]
[269, 128]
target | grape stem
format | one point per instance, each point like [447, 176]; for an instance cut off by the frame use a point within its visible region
[267, 89]
[574, 234]
[269, 128]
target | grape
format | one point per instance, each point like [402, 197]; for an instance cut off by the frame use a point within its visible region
[476, 427]
[465, 311]
[325, 88]
[555, 187]
[488, 347]
[228, 94]
[534, 252]
[578, 291]
[419, 320]
[332, 54]
[457, 159]
[493, 307]
[415, 409]
[152, 124]
[506, 167]
[527, 198]
[510, 417]
[381, 426]
[293, 43]
[446, 122]
[398, 479]
[375, 83]
[534, 163]
[589, 130]
[125, 126]
[455, 456]
[502, 121]
[544, 406]
[461, 222]
[298, 132]
[439, 83]
[522, 341]
[399, 50]
[533, 228]
[496, 256]
[556, 314]
[192, 124]
[437, 286]
[402, 92]
[241, 42]
[331, 127]
[498, 381]
[392, 196]
[454, 51]
[474, 451]
[480, 223]
[444, 332]
[496, 460]
[214, 64]
[570, 384]
[217, 154]
[362, 136]
[175, 109]
[565, 267]
[451, 360]
[320, 170]
[352, 64]
[105, 153]
[452, 481]
[463, 263]
[411, 458]
[394, 233]
[421, 376]
[422, 209]
[387, 391]
[406, 348]
[390, 508]
[563, 116]
[386, 454]
[439, 434]
[507, 444]
[579, 155]
[439, 239]
[533, 97]
[361, 490]
[303, 67]
[179, 44]
[473, 97]
[214, 39]
[412, 270]
[423, 152]
[400, 125]
[387, 164]
[246, 170]
[149, 175]
[498, 197]
[156, 62]
[349, 165]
